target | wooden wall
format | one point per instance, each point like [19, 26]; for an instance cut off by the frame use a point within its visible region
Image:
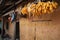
[42, 30]
[11, 30]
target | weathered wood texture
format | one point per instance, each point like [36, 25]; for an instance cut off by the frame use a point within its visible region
[11, 30]
[45, 30]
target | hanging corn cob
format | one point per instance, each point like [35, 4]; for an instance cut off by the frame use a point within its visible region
[39, 8]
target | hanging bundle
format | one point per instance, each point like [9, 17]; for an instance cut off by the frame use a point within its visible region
[39, 8]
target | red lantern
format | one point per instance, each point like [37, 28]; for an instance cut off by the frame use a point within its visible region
[9, 18]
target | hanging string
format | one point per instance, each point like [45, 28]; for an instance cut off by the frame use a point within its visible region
[14, 6]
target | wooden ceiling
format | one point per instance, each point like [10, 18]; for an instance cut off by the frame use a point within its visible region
[8, 5]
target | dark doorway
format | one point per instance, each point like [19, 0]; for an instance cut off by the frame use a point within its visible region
[17, 31]
[7, 25]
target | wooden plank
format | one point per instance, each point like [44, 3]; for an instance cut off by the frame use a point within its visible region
[26, 30]
[38, 30]
[11, 30]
